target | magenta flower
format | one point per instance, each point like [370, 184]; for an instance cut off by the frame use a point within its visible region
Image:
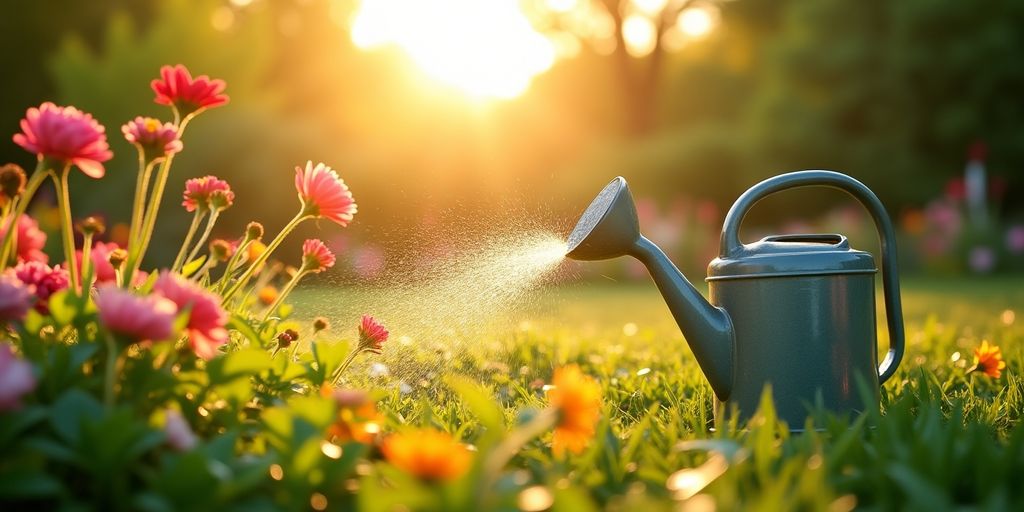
[67, 135]
[324, 194]
[153, 139]
[208, 192]
[316, 257]
[139, 319]
[177, 88]
[372, 334]
[206, 319]
[29, 238]
[15, 299]
[16, 378]
[44, 280]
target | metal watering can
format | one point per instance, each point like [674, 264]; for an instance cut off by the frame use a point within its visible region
[793, 311]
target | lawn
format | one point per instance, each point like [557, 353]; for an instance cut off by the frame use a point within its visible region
[943, 439]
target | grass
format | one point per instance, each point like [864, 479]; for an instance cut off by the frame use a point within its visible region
[943, 439]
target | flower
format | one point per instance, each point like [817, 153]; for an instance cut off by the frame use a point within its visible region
[981, 259]
[324, 194]
[316, 257]
[221, 250]
[254, 231]
[206, 319]
[1015, 239]
[428, 454]
[153, 139]
[67, 135]
[256, 249]
[179, 433]
[357, 418]
[577, 398]
[100, 260]
[91, 226]
[286, 337]
[208, 192]
[177, 88]
[12, 182]
[16, 378]
[267, 295]
[320, 324]
[44, 281]
[988, 359]
[372, 334]
[29, 239]
[136, 318]
[15, 299]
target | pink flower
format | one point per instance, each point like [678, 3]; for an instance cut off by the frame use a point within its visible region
[206, 319]
[177, 88]
[65, 134]
[155, 140]
[136, 318]
[372, 334]
[100, 261]
[30, 240]
[324, 194]
[179, 433]
[207, 192]
[44, 280]
[1015, 239]
[981, 259]
[15, 299]
[16, 378]
[316, 257]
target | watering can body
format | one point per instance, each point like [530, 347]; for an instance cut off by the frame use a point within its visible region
[793, 312]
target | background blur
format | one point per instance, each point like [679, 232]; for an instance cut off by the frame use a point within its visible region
[448, 115]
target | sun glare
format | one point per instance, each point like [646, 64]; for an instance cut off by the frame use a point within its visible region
[695, 21]
[486, 48]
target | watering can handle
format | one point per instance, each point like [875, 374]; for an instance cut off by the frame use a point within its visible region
[886, 235]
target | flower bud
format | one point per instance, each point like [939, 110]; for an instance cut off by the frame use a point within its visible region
[267, 295]
[12, 182]
[221, 250]
[117, 257]
[320, 324]
[90, 226]
[254, 231]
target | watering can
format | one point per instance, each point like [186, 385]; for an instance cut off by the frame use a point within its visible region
[796, 312]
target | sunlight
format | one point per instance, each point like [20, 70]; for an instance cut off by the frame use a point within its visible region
[695, 21]
[639, 34]
[485, 48]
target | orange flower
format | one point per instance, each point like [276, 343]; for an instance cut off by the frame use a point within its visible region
[358, 419]
[256, 249]
[428, 454]
[577, 398]
[988, 359]
[267, 295]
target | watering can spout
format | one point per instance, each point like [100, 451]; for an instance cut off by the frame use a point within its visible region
[609, 228]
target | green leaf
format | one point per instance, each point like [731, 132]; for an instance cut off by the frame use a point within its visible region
[63, 307]
[242, 363]
[193, 266]
[70, 410]
[482, 404]
[18, 484]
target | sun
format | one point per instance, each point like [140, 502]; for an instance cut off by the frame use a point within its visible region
[485, 48]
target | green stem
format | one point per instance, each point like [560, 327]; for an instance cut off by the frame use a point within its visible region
[206, 234]
[110, 377]
[514, 442]
[86, 262]
[179, 260]
[302, 215]
[230, 267]
[66, 229]
[284, 293]
[138, 252]
[37, 179]
[139, 203]
[344, 365]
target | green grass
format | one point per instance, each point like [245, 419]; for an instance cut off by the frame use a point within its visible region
[943, 439]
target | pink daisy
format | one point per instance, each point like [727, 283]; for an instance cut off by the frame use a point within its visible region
[207, 192]
[316, 257]
[30, 240]
[44, 280]
[155, 140]
[136, 318]
[16, 379]
[372, 334]
[206, 319]
[324, 194]
[177, 87]
[15, 299]
[65, 134]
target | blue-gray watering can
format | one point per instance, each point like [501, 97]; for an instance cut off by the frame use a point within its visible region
[793, 311]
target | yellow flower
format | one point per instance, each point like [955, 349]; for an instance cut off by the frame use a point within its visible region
[988, 359]
[428, 454]
[357, 420]
[577, 398]
[256, 249]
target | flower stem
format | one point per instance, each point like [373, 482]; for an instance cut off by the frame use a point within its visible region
[149, 219]
[230, 267]
[138, 205]
[64, 206]
[244, 278]
[86, 262]
[179, 260]
[206, 234]
[511, 445]
[26, 197]
[284, 293]
[109, 377]
[345, 364]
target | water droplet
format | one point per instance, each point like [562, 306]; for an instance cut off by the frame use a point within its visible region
[1008, 317]
[643, 371]
[630, 329]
